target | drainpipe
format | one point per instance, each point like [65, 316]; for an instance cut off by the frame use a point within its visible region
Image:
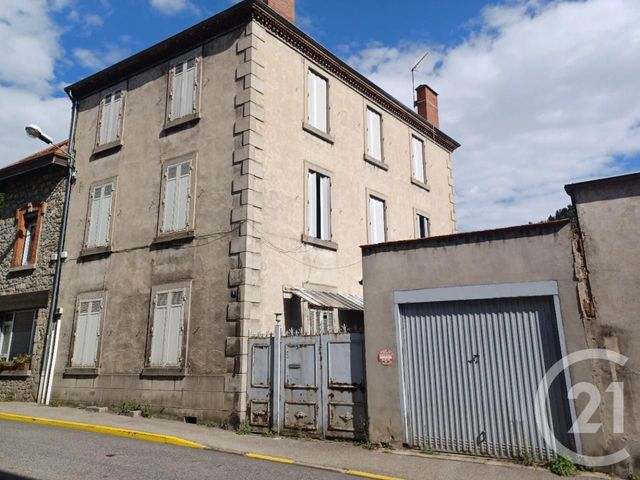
[52, 333]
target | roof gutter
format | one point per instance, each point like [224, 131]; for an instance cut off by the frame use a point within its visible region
[52, 333]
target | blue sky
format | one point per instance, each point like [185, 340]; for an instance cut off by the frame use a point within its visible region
[539, 92]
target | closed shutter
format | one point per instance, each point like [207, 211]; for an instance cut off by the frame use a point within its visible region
[312, 204]
[173, 331]
[94, 216]
[189, 88]
[376, 220]
[105, 119]
[85, 348]
[417, 159]
[317, 102]
[100, 215]
[176, 91]
[158, 329]
[183, 195]
[171, 186]
[184, 85]
[22, 333]
[325, 207]
[374, 134]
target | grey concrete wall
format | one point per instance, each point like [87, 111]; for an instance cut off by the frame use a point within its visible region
[608, 214]
[46, 185]
[534, 253]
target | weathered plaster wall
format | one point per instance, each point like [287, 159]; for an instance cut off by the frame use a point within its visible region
[46, 185]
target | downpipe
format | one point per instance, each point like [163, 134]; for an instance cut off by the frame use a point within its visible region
[52, 334]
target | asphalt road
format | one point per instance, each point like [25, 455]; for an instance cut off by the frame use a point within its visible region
[36, 452]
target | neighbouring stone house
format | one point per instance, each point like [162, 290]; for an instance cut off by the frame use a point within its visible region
[31, 209]
[223, 175]
[474, 320]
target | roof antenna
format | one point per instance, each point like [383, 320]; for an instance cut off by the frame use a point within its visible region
[413, 77]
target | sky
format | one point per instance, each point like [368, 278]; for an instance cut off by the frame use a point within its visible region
[540, 93]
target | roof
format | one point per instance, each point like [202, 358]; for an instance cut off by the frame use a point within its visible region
[516, 231]
[231, 19]
[53, 155]
[630, 177]
[342, 301]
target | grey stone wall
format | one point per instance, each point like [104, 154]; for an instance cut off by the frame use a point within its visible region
[46, 185]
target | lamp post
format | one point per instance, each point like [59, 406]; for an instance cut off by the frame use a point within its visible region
[52, 333]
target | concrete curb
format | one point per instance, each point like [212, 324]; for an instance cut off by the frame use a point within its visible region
[118, 432]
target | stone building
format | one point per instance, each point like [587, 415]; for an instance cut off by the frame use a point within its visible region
[474, 320]
[31, 208]
[223, 174]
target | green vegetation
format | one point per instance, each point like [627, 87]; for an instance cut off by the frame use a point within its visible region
[567, 212]
[563, 467]
[127, 407]
[244, 429]
[55, 403]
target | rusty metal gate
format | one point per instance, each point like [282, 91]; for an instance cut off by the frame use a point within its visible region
[307, 384]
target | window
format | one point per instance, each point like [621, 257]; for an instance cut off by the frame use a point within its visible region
[321, 321]
[183, 88]
[417, 160]
[110, 119]
[177, 197]
[317, 98]
[377, 221]
[167, 328]
[29, 224]
[374, 135]
[16, 334]
[422, 226]
[319, 205]
[87, 333]
[99, 222]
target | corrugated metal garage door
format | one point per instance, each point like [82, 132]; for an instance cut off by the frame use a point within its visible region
[470, 370]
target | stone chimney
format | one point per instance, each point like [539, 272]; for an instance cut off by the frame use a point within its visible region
[286, 8]
[427, 103]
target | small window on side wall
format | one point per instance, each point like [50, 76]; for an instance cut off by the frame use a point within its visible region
[110, 118]
[374, 135]
[377, 220]
[317, 101]
[29, 223]
[422, 226]
[319, 206]
[417, 160]
[184, 89]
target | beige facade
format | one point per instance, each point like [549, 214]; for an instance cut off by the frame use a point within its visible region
[244, 239]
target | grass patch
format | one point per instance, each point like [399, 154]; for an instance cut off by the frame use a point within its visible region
[563, 467]
[243, 429]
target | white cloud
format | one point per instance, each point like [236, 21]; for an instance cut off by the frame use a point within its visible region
[171, 7]
[102, 58]
[541, 94]
[28, 83]
[93, 20]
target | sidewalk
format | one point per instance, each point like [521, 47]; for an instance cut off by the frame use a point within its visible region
[338, 456]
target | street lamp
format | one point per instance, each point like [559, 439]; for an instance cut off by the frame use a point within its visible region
[34, 131]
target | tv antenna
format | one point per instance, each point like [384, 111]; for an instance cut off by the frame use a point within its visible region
[413, 76]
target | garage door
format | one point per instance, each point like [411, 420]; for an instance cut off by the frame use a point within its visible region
[470, 370]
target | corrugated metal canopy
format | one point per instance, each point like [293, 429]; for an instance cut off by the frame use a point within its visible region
[342, 301]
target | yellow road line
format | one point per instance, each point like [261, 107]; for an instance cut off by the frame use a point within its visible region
[118, 432]
[356, 473]
[269, 458]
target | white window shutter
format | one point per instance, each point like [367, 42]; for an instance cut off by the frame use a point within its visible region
[117, 115]
[325, 207]
[159, 328]
[311, 98]
[177, 81]
[312, 202]
[173, 334]
[321, 104]
[376, 220]
[105, 119]
[171, 186]
[85, 347]
[417, 159]
[94, 216]
[374, 134]
[102, 236]
[183, 188]
[190, 86]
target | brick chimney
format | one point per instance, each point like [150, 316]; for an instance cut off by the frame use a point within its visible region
[286, 8]
[427, 103]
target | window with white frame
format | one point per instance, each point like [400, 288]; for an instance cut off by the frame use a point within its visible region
[377, 220]
[374, 134]
[99, 221]
[167, 328]
[319, 206]
[417, 160]
[183, 88]
[177, 197]
[30, 224]
[16, 334]
[87, 333]
[110, 121]
[317, 101]
[422, 226]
